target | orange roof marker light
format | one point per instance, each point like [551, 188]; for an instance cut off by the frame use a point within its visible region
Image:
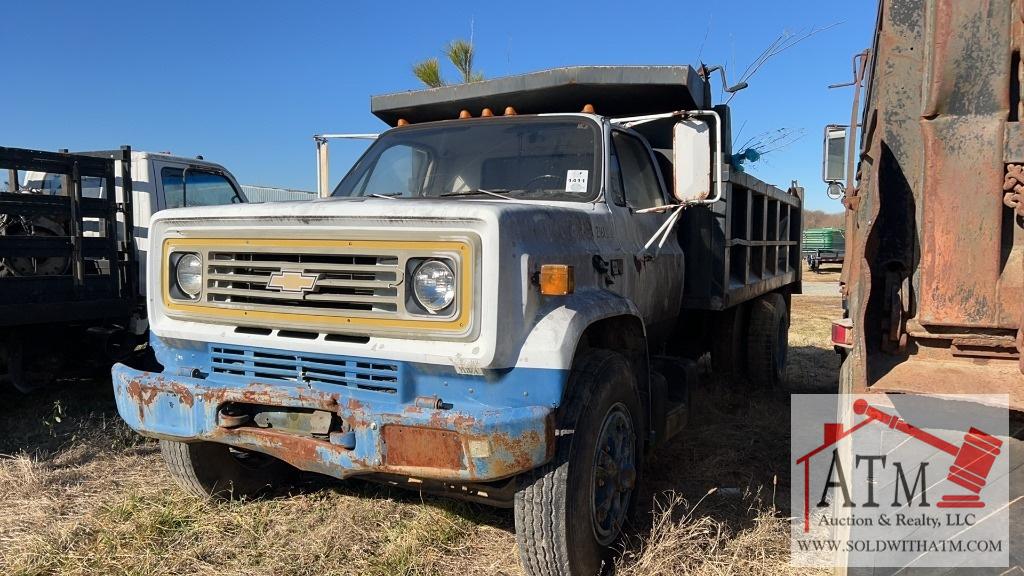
[557, 280]
[465, 114]
[486, 113]
[510, 111]
[402, 122]
[588, 109]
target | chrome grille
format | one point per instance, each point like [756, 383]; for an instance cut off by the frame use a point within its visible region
[277, 366]
[349, 284]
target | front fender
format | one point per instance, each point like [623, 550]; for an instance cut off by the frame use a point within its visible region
[551, 343]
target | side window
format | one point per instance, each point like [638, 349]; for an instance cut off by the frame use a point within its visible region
[399, 170]
[174, 187]
[201, 189]
[639, 178]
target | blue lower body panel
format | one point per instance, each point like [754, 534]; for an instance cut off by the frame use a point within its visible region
[387, 417]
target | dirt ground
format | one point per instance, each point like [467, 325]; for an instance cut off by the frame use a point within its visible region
[82, 494]
[825, 273]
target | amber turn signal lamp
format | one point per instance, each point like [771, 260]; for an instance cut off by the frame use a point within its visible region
[557, 280]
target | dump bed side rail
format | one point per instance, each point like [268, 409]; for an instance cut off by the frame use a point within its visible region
[744, 246]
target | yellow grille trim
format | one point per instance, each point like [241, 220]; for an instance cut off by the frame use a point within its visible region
[458, 323]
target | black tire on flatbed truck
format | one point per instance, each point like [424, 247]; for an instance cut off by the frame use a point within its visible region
[560, 527]
[211, 470]
[768, 341]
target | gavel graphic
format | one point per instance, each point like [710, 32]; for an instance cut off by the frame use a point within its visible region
[972, 461]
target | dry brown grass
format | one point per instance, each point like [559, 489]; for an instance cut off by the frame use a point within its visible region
[813, 364]
[94, 498]
[82, 494]
[682, 540]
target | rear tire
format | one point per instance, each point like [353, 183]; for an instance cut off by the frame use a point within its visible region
[211, 470]
[768, 341]
[728, 353]
[569, 513]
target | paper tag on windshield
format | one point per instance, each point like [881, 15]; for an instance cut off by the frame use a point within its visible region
[576, 180]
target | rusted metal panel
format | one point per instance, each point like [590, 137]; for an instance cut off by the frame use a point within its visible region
[882, 210]
[967, 92]
[423, 447]
[961, 376]
[935, 269]
[960, 262]
[295, 421]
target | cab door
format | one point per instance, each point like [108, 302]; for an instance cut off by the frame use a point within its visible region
[651, 278]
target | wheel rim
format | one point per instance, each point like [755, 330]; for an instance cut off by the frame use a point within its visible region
[614, 474]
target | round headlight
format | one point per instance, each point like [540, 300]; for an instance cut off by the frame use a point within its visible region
[434, 285]
[189, 274]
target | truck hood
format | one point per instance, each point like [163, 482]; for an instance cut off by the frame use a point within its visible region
[380, 209]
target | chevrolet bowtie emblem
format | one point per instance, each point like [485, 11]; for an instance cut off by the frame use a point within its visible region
[292, 281]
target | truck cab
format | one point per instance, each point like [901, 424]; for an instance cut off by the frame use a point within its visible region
[503, 301]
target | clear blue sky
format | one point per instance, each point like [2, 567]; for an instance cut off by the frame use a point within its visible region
[246, 84]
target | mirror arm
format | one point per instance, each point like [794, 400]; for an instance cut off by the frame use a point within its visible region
[725, 83]
[663, 232]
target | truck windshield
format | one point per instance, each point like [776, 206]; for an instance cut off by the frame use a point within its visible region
[522, 157]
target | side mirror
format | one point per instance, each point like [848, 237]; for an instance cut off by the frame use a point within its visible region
[691, 160]
[833, 163]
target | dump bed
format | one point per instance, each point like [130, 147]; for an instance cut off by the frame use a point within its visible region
[746, 245]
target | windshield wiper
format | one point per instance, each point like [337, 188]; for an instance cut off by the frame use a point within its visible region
[475, 192]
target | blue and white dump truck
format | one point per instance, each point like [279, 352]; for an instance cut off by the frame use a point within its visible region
[502, 301]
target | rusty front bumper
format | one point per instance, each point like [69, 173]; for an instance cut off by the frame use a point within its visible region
[465, 442]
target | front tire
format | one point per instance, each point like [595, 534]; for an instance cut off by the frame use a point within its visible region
[570, 512]
[211, 470]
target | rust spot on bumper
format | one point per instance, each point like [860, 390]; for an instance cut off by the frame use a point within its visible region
[143, 396]
[423, 447]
